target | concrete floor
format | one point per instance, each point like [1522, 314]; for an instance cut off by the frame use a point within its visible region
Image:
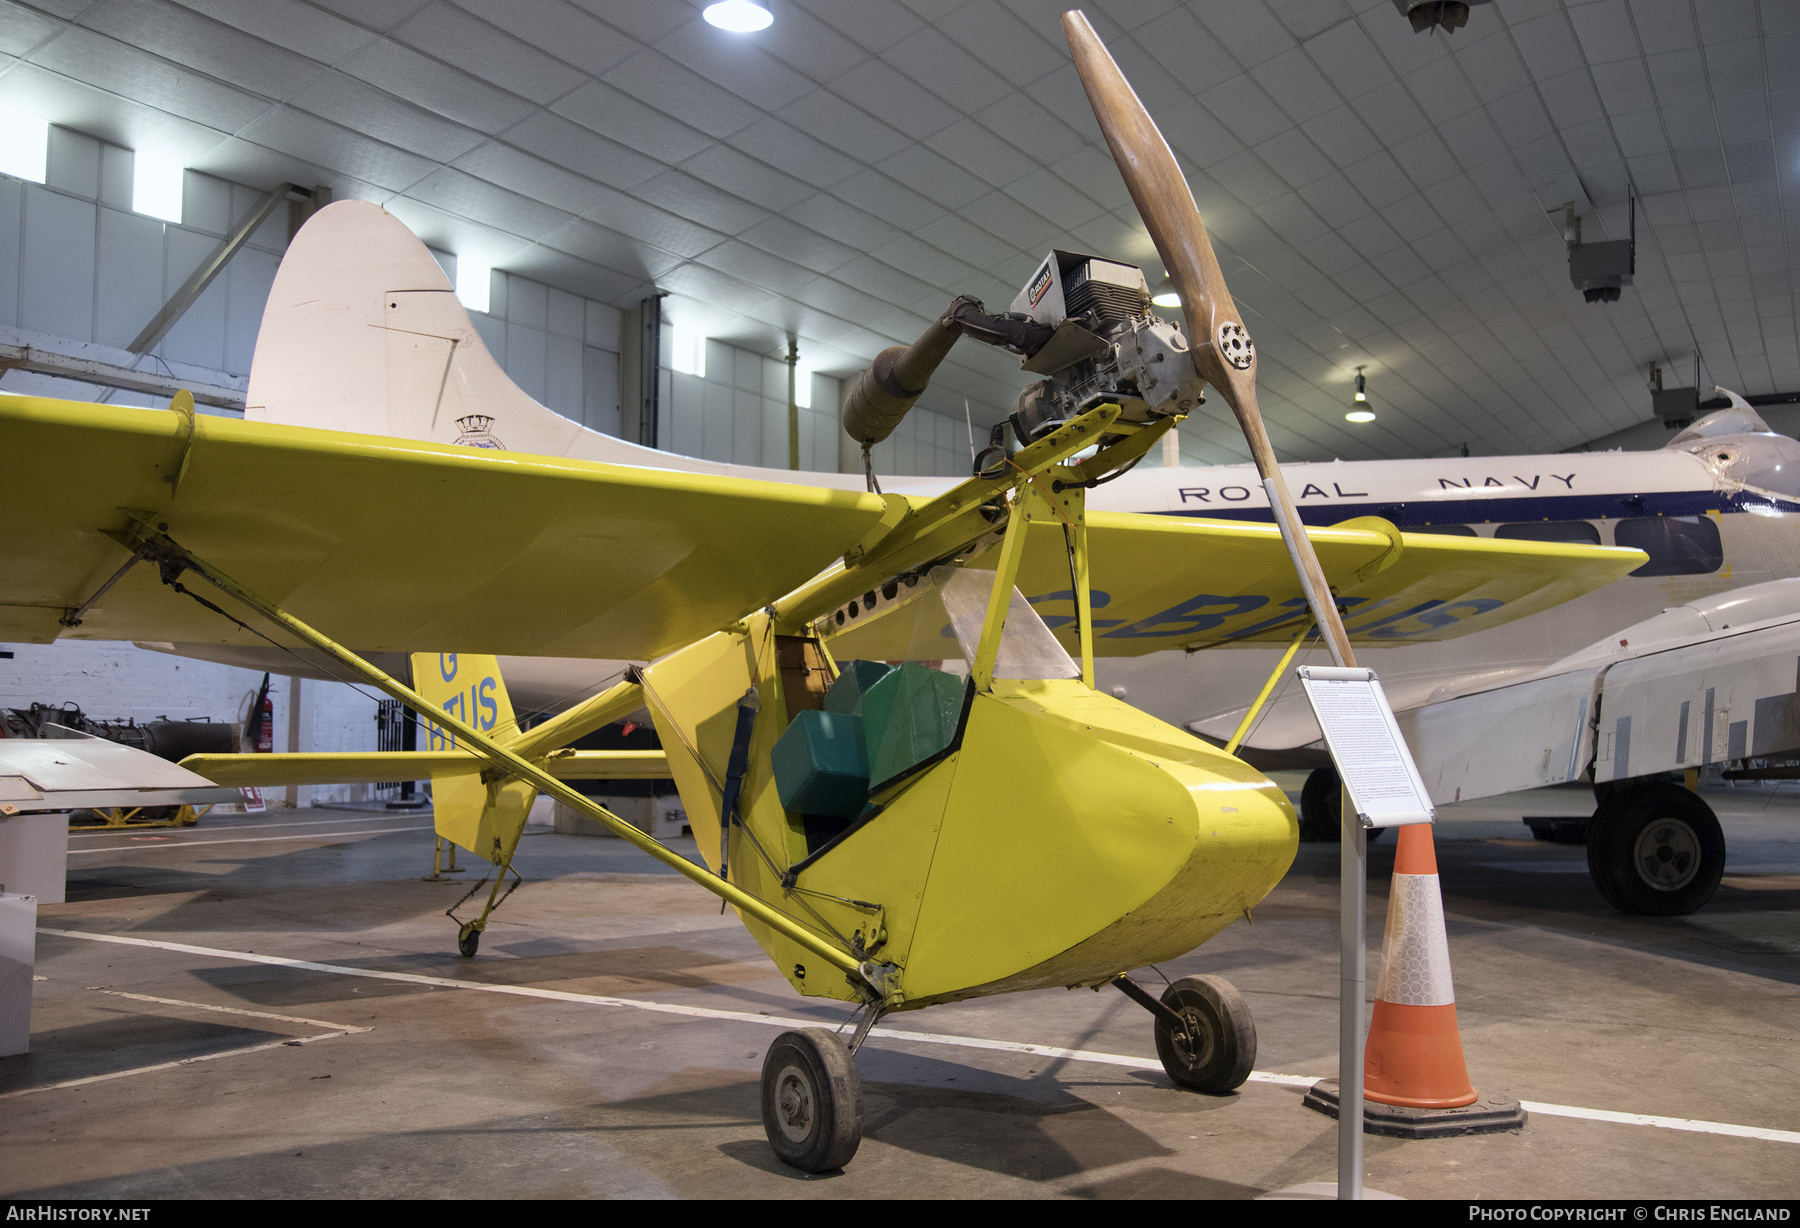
[451, 1093]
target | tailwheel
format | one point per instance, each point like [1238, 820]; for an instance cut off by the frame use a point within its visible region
[812, 1100]
[1215, 1048]
[468, 939]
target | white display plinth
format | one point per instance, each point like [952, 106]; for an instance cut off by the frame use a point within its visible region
[18, 955]
[34, 855]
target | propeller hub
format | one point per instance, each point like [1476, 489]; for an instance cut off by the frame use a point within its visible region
[1235, 345]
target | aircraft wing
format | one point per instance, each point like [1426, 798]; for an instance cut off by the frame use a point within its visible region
[1705, 698]
[388, 544]
[1162, 582]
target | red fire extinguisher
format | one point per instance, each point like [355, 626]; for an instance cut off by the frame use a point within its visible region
[261, 733]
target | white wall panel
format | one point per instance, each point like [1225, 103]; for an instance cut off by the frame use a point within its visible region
[684, 414]
[525, 347]
[116, 166]
[775, 434]
[527, 302]
[205, 203]
[600, 389]
[130, 275]
[56, 292]
[717, 405]
[199, 336]
[251, 274]
[563, 373]
[747, 427]
[602, 326]
[12, 213]
[493, 334]
[564, 314]
[73, 163]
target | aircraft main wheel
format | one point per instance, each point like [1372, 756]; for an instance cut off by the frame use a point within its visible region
[1322, 809]
[468, 939]
[812, 1100]
[1217, 1049]
[1656, 850]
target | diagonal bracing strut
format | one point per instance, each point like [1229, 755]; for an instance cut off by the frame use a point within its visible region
[174, 558]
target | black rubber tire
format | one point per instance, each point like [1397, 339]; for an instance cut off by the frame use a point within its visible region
[1218, 1051]
[468, 940]
[812, 1100]
[1322, 809]
[1655, 850]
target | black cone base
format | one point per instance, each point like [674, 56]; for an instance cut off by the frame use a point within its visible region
[1488, 1115]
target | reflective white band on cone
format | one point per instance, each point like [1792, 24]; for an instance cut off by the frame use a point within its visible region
[1415, 952]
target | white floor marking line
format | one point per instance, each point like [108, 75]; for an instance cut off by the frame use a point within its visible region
[345, 1028]
[1761, 1133]
[78, 834]
[340, 1029]
[188, 844]
[186, 1061]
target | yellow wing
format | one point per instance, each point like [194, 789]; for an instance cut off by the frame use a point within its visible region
[1164, 582]
[393, 544]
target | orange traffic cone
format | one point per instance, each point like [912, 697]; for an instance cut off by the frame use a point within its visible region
[1414, 1057]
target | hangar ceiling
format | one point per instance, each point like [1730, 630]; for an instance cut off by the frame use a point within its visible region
[1378, 198]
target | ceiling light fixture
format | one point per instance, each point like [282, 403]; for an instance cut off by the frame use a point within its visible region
[1359, 404]
[738, 16]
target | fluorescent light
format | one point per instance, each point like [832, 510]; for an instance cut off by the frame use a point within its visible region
[688, 351]
[738, 16]
[474, 279]
[24, 146]
[803, 385]
[1168, 298]
[156, 186]
[1360, 415]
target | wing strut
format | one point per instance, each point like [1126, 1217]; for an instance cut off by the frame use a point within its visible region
[174, 559]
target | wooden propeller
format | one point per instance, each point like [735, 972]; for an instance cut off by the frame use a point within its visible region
[1222, 350]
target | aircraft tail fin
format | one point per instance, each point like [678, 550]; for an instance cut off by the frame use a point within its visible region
[364, 333]
[487, 819]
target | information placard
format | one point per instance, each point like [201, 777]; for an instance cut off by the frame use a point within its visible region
[1371, 756]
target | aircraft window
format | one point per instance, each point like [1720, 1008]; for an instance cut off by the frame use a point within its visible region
[1677, 545]
[1573, 532]
[1446, 530]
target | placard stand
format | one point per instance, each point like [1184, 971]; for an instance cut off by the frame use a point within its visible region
[1381, 788]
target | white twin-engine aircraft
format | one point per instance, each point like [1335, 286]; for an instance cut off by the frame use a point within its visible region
[1689, 661]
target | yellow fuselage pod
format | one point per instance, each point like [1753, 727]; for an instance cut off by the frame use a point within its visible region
[1069, 838]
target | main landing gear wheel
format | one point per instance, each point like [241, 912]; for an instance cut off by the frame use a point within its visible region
[1217, 1049]
[1655, 850]
[468, 938]
[812, 1100]
[1322, 809]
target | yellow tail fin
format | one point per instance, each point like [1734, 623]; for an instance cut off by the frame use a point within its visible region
[487, 819]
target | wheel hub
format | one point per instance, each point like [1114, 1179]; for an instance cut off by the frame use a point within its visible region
[1194, 1041]
[794, 1111]
[1667, 855]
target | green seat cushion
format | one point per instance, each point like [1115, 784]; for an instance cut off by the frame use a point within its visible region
[853, 683]
[820, 765]
[908, 716]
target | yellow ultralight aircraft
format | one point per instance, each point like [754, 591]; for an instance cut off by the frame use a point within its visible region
[893, 836]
